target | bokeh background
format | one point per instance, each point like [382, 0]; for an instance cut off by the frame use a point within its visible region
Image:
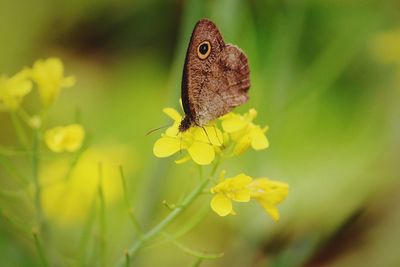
[325, 78]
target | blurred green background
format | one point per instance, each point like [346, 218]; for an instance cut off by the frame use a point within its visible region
[325, 78]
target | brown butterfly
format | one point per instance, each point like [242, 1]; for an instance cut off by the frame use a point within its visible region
[216, 76]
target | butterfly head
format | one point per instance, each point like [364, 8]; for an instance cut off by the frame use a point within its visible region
[186, 123]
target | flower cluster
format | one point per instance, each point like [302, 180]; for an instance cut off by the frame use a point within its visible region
[242, 188]
[243, 132]
[230, 135]
[200, 143]
[203, 143]
[48, 76]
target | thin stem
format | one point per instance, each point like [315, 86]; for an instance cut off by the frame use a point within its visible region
[35, 174]
[132, 216]
[11, 170]
[24, 115]
[15, 224]
[84, 243]
[197, 262]
[197, 254]
[40, 249]
[136, 246]
[215, 167]
[19, 129]
[189, 225]
[127, 259]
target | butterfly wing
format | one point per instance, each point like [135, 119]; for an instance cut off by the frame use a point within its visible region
[212, 86]
[226, 85]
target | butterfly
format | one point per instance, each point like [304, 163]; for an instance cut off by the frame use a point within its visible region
[215, 79]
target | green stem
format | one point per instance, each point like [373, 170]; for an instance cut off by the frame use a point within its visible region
[11, 170]
[127, 259]
[35, 174]
[131, 213]
[197, 254]
[19, 129]
[40, 249]
[197, 262]
[136, 246]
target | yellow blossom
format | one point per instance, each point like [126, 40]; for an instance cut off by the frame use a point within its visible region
[228, 190]
[244, 132]
[13, 90]
[199, 145]
[68, 195]
[68, 138]
[242, 188]
[49, 76]
[269, 194]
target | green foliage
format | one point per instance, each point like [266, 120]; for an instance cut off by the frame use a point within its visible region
[325, 78]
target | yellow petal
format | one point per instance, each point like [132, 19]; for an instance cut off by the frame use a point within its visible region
[207, 134]
[22, 88]
[182, 160]
[173, 114]
[270, 209]
[54, 66]
[74, 137]
[215, 135]
[242, 195]
[49, 76]
[54, 138]
[271, 191]
[232, 123]
[19, 85]
[166, 146]
[242, 180]
[13, 89]
[258, 139]
[67, 138]
[221, 205]
[173, 131]
[201, 153]
[251, 115]
[242, 145]
[277, 192]
[222, 175]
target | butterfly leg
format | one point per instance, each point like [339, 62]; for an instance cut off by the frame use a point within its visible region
[204, 129]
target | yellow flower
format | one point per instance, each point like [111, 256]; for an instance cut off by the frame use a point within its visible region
[244, 132]
[69, 199]
[68, 138]
[242, 188]
[13, 90]
[228, 190]
[199, 145]
[269, 194]
[49, 76]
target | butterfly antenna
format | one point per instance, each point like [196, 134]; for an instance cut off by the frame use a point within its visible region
[159, 128]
